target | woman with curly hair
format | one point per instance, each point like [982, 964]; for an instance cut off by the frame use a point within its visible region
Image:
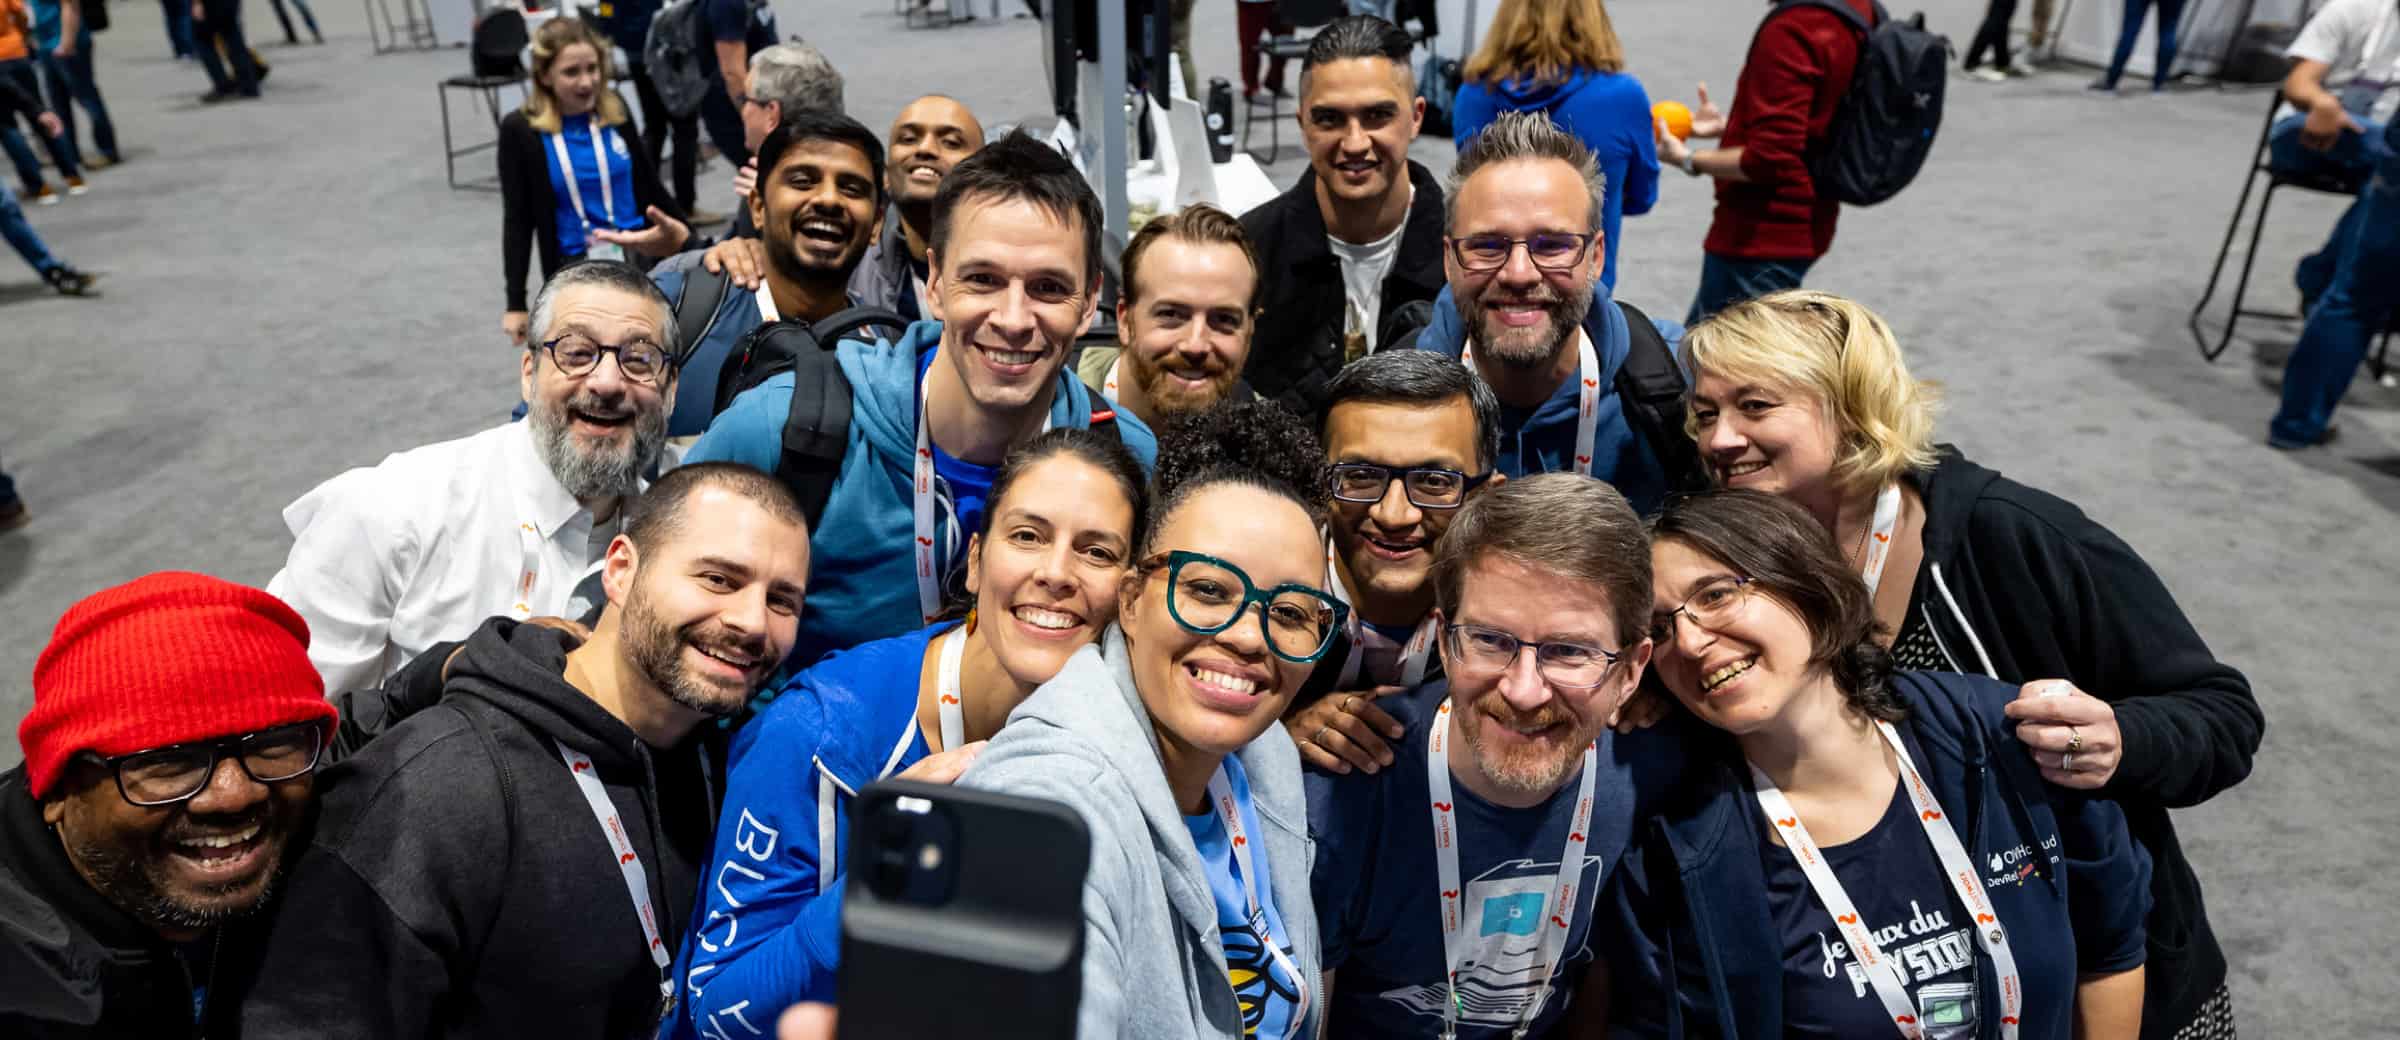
[1864, 852]
[1163, 739]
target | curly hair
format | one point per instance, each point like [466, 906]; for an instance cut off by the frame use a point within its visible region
[1787, 556]
[1255, 443]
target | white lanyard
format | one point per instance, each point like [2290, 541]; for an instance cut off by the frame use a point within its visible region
[1220, 791]
[1587, 398]
[767, 314]
[529, 544]
[558, 144]
[1415, 656]
[1889, 977]
[1879, 540]
[637, 882]
[929, 571]
[954, 716]
[1108, 385]
[1557, 915]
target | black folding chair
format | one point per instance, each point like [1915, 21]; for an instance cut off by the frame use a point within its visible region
[1292, 16]
[500, 38]
[2276, 179]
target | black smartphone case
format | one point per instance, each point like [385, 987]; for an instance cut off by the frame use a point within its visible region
[1003, 958]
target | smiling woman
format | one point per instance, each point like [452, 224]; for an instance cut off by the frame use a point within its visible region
[1163, 739]
[1066, 511]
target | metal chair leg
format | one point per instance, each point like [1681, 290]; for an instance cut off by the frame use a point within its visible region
[2217, 270]
[449, 152]
[2241, 286]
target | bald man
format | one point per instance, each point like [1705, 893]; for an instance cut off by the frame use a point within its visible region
[929, 137]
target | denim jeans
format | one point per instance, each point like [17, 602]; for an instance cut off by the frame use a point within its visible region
[2170, 20]
[27, 244]
[2352, 158]
[1725, 281]
[2357, 307]
[724, 124]
[221, 25]
[179, 26]
[21, 72]
[71, 78]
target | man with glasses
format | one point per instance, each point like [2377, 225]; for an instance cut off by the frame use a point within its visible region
[1586, 384]
[1454, 889]
[176, 722]
[389, 560]
[1411, 437]
[513, 861]
[1360, 236]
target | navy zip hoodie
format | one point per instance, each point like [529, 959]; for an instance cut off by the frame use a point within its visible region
[2020, 585]
[1699, 955]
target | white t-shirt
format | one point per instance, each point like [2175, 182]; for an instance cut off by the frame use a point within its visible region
[2359, 41]
[1363, 270]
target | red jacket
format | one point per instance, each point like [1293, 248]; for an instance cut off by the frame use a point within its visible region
[1798, 69]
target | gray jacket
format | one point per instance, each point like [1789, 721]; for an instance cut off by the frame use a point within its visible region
[882, 278]
[1153, 962]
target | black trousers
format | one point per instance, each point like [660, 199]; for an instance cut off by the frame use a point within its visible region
[656, 123]
[220, 25]
[1993, 35]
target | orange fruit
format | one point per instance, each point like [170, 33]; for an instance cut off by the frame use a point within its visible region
[1677, 117]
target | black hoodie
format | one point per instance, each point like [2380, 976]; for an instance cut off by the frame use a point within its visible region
[458, 884]
[2020, 585]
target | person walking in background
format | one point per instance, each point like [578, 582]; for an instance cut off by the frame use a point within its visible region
[290, 38]
[1561, 57]
[627, 24]
[735, 30]
[12, 508]
[29, 245]
[64, 54]
[220, 23]
[1992, 39]
[179, 28]
[1254, 19]
[17, 72]
[2170, 18]
[1771, 225]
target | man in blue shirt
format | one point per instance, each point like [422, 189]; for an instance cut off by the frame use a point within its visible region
[736, 29]
[1526, 306]
[1455, 888]
[1015, 262]
[62, 48]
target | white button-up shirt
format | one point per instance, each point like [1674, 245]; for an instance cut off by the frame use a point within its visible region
[389, 560]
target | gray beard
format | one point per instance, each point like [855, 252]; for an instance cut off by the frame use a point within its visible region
[596, 473]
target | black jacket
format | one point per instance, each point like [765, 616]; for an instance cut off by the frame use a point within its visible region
[458, 884]
[76, 966]
[529, 209]
[2020, 585]
[1297, 347]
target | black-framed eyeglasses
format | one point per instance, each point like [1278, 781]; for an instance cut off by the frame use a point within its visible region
[1549, 250]
[1710, 606]
[175, 774]
[1471, 651]
[1207, 595]
[1428, 487]
[577, 355]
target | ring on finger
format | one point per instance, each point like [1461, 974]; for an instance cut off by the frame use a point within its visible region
[1347, 701]
[2066, 762]
[1318, 737]
[2074, 740]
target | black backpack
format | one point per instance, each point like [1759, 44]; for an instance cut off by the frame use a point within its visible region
[1885, 125]
[671, 56]
[816, 431]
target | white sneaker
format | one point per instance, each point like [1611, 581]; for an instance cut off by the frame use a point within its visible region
[1986, 74]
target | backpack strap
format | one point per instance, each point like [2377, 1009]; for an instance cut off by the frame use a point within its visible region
[852, 319]
[696, 310]
[1848, 13]
[1104, 422]
[1650, 387]
[816, 432]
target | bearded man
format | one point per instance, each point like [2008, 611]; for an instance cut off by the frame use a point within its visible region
[1184, 321]
[389, 560]
[512, 861]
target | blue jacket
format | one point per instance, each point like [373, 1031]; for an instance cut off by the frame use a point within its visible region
[768, 929]
[1608, 111]
[862, 582]
[1699, 951]
[1544, 440]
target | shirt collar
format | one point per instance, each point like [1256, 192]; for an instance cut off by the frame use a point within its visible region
[541, 499]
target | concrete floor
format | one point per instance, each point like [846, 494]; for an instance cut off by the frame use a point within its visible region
[292, 291]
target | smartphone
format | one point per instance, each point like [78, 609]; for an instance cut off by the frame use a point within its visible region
[963, 916]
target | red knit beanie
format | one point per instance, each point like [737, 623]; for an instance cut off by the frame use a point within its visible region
[166, 659]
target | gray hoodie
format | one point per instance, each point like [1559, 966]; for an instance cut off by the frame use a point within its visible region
[1153, 962]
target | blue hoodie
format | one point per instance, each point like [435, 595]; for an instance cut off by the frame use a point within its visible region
[768, 929]
[862, 582]
[1701, 954]
[1608, 111]
[1543, 440]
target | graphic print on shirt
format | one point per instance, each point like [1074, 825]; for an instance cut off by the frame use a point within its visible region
[1938, 959]
[1505, 908]
[1256, 984]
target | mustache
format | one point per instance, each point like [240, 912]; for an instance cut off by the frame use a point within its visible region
[1497, 707]
[191, 827]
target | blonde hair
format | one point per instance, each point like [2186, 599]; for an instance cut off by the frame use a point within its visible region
[1546, 40]
[1841, 353]
[551, 40]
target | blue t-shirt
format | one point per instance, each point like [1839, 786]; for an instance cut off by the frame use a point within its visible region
[1380, 913]
[1264, 988]
[959, 486]
[750, 21]
[1895, 880]
[612, 207]
[48, 20]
